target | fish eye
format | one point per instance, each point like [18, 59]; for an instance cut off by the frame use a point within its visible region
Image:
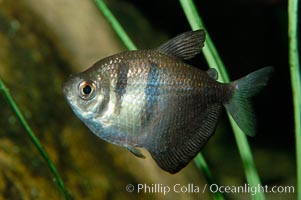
[87, 90]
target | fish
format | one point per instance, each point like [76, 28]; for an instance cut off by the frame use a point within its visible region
[154, 99]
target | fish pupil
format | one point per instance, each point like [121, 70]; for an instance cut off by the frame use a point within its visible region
[87, 89]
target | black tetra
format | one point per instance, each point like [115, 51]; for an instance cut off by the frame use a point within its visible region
[153, 99]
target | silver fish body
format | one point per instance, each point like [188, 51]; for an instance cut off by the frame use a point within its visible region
[153, 99]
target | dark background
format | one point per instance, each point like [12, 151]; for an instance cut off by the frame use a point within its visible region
[248, 35]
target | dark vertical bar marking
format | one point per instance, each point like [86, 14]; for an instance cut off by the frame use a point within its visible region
[151, 92]
[121, 84]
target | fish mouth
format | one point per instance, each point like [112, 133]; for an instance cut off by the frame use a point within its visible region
[67, 92]
[66, 85]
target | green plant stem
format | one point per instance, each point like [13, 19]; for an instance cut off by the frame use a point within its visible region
[295, 81]
[115, 25]
[201, 163]
[214, 61]
[34, 139]
[211, 55]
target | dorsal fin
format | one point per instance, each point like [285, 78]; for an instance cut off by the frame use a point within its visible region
[185, 45]
[176, 153]
[212, 73]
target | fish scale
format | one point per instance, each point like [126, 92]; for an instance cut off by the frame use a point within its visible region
[154, 100]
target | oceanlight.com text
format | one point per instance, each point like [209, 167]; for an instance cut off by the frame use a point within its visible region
[253, 190]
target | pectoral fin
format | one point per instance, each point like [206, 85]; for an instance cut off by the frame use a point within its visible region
[135, 151]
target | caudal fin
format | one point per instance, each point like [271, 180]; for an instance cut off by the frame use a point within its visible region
[239, 106]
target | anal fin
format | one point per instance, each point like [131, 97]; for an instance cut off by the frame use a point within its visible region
[172, 156]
